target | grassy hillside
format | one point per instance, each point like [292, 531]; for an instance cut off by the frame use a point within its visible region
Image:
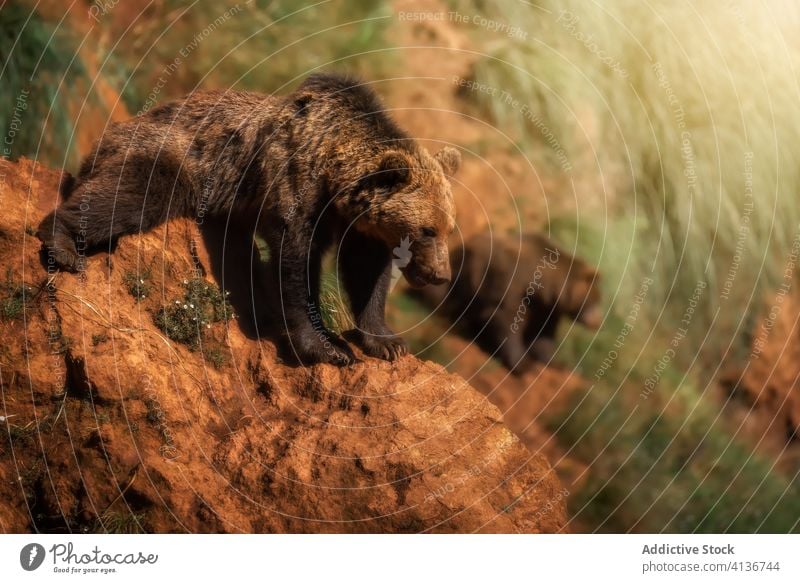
[38, 61]
[678, 125]
[260, 45]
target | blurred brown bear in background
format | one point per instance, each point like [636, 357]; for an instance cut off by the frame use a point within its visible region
[510, 293]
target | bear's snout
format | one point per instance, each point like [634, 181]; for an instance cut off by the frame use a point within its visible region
[429, 265]
[442, 274]
[419, 275]
[439, 279]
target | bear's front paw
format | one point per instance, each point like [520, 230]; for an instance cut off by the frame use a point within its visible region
[387, 347]
[322, 347]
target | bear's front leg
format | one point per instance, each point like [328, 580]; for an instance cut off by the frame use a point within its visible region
[297, 273]
[366, 271]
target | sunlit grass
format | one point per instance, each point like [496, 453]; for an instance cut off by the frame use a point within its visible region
[670, 468]
[35, 57]
[686, 129]
[678, 125]
[261, 46]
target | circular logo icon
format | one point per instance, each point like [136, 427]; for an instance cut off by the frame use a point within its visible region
[31, 556]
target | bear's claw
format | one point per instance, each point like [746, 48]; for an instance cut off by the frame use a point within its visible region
[385, 347]
[323, 347]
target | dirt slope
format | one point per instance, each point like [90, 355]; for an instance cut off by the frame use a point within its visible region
[761, 395]
[107, 424]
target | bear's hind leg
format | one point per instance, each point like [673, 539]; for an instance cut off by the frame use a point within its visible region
[121, 199]
[59, 244]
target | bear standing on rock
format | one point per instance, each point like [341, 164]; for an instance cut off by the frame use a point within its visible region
[321, 165]
[511, 293]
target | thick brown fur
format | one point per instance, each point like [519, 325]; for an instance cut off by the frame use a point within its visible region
[510, 293]
[323, 165]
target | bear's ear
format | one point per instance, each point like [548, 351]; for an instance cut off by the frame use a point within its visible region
[393, 169]
[450, 159]
[301, 102]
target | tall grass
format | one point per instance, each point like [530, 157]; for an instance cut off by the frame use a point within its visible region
[673, 130]
[333, 304]
[666, 463]
[661, 109]
[263, 46]
[668, 473]
[34, 58]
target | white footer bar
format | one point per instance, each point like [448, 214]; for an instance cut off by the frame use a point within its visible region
[401, 558]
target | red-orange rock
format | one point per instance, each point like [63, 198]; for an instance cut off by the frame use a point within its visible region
[109, 425]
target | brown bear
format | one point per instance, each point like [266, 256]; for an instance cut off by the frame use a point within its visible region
[510, 293]
[323, 164]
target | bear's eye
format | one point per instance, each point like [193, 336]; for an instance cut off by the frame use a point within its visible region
[428, 232]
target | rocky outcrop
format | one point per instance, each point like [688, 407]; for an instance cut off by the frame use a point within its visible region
[132, 401]
[761, 389]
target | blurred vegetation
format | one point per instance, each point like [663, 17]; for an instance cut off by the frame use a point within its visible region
[661, 109]
[161, 50]
[38, 61]
[262, 45]
[14, 297]
[678, 125]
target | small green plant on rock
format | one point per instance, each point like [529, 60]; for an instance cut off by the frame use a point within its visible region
[215, 356]
[187, 319]
[13, 297]
[120, 523]
[138, 284]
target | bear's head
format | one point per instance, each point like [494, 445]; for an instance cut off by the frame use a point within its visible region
[409, 206]
[581, 295]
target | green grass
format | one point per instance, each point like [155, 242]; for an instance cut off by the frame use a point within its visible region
[36, 55]
[662, 460]
[333, 305]
[662, 181]
[671, 468]
[215, 355]
[262, 46]
[120, 523]
[138, 284]
[14, 297]
[679, 171]
[186, 320]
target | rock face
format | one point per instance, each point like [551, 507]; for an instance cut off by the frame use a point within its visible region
[130, 402]
[761, 391]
